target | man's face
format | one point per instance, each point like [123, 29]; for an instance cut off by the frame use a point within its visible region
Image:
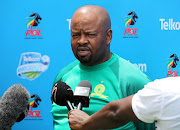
[88, 40]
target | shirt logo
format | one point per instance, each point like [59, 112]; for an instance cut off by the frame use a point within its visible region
[99, 90]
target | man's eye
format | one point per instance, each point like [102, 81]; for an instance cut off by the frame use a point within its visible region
[75, 35]
[92, 35]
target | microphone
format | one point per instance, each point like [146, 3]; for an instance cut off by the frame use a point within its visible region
[13, 106]
[62, 95]
[81, 94]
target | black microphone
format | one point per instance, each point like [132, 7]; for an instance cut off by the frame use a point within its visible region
[81, 94]
[13, 106]
[62, 95]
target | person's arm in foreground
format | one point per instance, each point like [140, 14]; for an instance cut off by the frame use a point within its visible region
[114, 114]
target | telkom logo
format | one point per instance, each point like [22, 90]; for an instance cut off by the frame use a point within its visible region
[169, 25]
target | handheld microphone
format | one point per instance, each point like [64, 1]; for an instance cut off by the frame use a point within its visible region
[81, 94]
[62, 95]
[13, 106]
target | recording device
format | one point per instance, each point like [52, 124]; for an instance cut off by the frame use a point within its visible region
[81, 94]
[62, 95]
[14, 106]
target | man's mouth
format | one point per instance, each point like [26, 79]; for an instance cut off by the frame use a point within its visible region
[83, 51]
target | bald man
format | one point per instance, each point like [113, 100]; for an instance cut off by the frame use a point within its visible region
[111, 76]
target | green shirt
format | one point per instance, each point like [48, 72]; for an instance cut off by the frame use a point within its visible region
[111, 80]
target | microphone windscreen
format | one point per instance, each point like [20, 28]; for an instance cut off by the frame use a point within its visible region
[62, 92]
[23, 114]
[12, 104]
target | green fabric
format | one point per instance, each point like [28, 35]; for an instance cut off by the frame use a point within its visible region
[111, 80]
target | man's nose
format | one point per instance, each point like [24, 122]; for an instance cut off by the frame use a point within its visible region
[82, 40]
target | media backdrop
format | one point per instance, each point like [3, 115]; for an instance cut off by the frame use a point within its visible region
[35, 44]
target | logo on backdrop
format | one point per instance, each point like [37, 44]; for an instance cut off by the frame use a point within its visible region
[32, 22]
[34, 103]
[69, 23]
[172, 63]
[169, 25]
[32, 64]
[130, 20]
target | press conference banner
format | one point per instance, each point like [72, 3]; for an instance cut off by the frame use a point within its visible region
[35, 44]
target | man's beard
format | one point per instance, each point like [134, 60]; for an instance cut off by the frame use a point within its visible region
[83, 59]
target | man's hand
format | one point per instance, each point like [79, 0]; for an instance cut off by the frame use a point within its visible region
[77, 119]
[113, 115]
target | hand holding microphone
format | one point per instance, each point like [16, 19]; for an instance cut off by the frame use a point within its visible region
[62, 95]
[77, 119]
[14, 106]
[81, 99]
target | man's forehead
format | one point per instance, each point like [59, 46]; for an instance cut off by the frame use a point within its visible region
[84, 27]
[84, 15]
[84, 18]
[86, 24]
[74, 30]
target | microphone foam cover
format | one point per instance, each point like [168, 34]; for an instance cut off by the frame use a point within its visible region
[12, 104]
[62, 92]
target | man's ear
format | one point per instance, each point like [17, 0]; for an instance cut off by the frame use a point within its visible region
[108, 36]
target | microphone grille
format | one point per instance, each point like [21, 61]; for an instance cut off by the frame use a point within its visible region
[85, 83]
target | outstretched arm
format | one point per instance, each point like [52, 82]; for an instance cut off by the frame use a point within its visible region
[114, 114]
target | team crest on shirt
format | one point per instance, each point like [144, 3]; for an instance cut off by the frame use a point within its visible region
[98, 91]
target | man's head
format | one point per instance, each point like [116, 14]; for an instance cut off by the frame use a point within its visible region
[91, 35]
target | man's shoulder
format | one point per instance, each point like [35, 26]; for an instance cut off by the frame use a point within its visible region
[65, 70]
[123, 63]
[120, 59]
[129, 71]
[69, 67]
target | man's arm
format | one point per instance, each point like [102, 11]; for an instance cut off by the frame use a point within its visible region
[114, 114]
